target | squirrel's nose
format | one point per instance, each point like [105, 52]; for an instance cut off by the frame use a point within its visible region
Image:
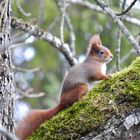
[111, 56]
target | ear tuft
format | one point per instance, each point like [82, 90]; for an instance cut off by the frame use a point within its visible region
[95, 40]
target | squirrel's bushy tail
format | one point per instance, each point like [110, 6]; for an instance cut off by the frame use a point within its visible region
[33, 121]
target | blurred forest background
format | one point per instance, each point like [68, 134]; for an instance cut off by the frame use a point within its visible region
[40, 68]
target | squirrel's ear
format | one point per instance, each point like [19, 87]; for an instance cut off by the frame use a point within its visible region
[95, 40]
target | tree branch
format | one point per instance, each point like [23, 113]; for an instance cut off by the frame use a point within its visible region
[96, 8]
[8, 135]
[119, 36]
[62, 7]
[118, 49]
[109, 110]
[38, 33]
[30, 94]
[128, 9]
[106, 10]
[21, 9]
[122, 61]
[42, 9]
[71, 32]
[127, 126]
[120, 25]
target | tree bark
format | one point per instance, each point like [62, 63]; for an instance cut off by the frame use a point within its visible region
[7, 88]
[110, 111]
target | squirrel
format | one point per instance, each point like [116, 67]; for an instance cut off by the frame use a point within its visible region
[74, 86]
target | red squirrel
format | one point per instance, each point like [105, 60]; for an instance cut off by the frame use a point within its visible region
[74, 86]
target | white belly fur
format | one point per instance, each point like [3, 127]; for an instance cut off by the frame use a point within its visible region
[103, 69]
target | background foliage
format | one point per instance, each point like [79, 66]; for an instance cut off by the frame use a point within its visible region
[53, 65]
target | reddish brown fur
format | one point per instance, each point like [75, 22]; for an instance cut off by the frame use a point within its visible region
[33, 121]
[95, 40]
[36, 117]
[69, 97]
[74, 86]
[95, 46]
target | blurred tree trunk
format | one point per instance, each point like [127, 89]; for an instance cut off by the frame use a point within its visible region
[6, 75]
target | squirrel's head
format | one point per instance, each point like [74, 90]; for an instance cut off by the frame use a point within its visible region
[97, 51]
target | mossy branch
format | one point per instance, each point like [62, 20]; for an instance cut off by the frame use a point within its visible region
[117, 97]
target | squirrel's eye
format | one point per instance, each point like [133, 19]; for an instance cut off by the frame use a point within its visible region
[101, 52]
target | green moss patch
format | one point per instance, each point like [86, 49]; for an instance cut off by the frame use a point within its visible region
[116, 95]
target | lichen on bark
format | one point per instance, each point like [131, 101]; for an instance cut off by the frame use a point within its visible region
[115, 96]
[7, 87]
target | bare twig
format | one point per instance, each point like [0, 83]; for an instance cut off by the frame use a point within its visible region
[62, 7]
[96, 8]
[21, 9]
[26, 70]
[123, 59]
[132, 20]
[41, 11]
[123, 5]
[8, 135]
[13, 46]
[137, 36]
[119, 35]
[128, 9]
[19, 39]
[121, 26]
[29, 93]
[118, 49]
[62, 29]
[65, 20]
[51, 26]
[72, 35]
[53, 40]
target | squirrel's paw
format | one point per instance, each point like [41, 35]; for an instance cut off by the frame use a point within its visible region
[108, 76]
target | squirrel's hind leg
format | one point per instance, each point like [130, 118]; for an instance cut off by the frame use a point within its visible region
[70, 96]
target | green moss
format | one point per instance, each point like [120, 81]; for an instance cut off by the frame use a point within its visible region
[116, 95]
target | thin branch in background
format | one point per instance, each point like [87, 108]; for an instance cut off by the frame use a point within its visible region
[26, 70]
[8, 135]
[122, 61]
[41, 11]
[132, 20]
[120, 25]
[127, 56]
[46, 36]
[13, 46]
[21, 9]
[51, 26]
[71, 31]
[123, 5]
[96, 8]
[20, 39]
[62, 29]
[62, 6]
[137, 36]
[128, 9]
[119, 35]
[29, 93]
